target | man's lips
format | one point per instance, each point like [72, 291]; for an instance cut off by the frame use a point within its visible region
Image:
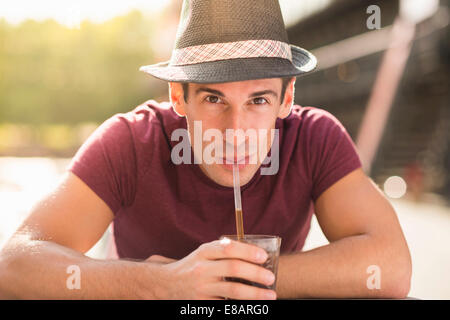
[238, 160]
[238, 154]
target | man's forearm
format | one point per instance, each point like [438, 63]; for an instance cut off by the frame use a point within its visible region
[40, 270]
[340, 270]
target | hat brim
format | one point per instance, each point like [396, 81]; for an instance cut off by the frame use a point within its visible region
[236, 69]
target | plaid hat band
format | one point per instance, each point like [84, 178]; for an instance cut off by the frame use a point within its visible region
[231, 50]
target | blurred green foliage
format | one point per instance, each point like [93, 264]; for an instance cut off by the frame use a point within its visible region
[54, 80]
[51, 74]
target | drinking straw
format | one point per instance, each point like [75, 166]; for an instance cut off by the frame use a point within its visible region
[237, 202]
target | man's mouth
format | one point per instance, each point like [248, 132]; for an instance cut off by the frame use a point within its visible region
[237, 160]
[241, 162]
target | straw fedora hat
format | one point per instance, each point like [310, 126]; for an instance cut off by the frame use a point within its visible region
[232, 40]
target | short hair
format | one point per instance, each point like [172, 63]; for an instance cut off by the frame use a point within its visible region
[285, 82]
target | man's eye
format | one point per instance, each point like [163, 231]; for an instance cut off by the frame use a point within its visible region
[213, 99]
[260, 101]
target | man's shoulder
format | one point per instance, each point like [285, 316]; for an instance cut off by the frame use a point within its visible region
[148, 116]
[150, 110]
[309, 112]
[310, 117]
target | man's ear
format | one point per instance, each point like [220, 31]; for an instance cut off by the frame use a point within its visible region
[176, 95]
[285, 108]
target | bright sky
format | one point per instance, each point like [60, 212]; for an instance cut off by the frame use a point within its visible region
[72, 12]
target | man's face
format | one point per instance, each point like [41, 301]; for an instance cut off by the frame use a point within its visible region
[253, 105]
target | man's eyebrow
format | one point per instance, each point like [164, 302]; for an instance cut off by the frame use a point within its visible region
[220, 94]
[205, 89]
[261, 93]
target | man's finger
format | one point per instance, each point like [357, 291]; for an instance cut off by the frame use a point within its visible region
[229, 249]
[235, 290]
[233, 268]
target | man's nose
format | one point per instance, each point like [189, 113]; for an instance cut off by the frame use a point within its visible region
[235, 122]
[235, 118]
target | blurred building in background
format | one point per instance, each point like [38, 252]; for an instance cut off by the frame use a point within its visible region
[396, 78]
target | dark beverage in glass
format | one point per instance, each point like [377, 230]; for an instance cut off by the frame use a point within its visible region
[271, 244]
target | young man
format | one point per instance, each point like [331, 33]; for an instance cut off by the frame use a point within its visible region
[232, 68]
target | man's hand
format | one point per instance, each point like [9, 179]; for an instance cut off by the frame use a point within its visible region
[200, 274]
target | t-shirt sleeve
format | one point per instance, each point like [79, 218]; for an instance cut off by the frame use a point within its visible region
[333, 154]
[106, 162]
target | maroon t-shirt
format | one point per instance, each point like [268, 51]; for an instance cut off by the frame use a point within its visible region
[167, 209]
